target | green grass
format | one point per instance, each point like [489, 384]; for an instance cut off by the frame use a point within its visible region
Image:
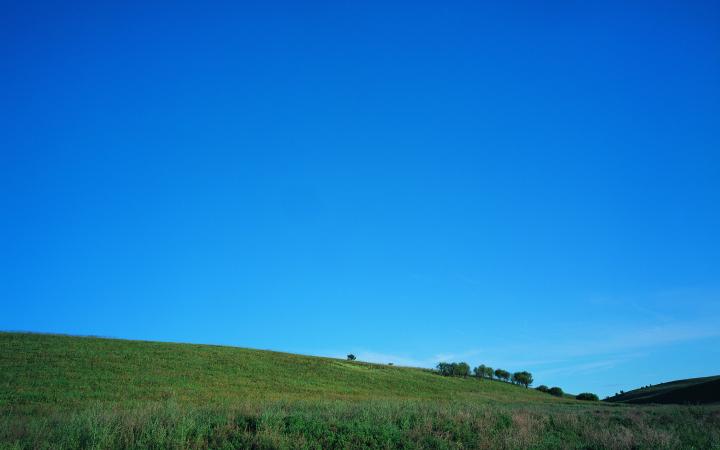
[70, 372]
[71, 392]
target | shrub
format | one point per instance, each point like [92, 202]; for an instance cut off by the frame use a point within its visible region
[556, 391]
[543, 388]
[351, 357]
[587, 396]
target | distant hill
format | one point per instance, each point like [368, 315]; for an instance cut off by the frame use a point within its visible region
[691, 391]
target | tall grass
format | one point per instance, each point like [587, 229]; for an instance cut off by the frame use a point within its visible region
[365, 424]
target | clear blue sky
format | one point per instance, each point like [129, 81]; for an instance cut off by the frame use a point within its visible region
[527, 185]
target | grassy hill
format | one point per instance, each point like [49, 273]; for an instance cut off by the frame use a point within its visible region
[72, 392]
[68, 372]
[690, 391]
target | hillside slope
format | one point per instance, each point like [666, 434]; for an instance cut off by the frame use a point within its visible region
[38, 369]
[704, 390]
[63, 392]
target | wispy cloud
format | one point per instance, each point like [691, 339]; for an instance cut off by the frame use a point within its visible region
[610, 341]
[581, 368]
[633, 329]
[441, 357]
[603, 348]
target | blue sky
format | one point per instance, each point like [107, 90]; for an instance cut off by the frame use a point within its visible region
[530, 186]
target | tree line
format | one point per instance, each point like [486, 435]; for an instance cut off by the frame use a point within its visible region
[523, 378]
[462, 369]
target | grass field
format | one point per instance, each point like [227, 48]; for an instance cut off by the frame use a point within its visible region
[71, 392]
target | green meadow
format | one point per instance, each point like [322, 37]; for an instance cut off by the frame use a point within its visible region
[77, 392]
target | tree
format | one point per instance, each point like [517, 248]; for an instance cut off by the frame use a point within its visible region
[556, 391]
[488, 372]
[483, 371]
[479, 371]
[543, 388]
[461, 369]
[445, 369]
[502, 374]
[587, 396]
[351, 357]
[522, 378]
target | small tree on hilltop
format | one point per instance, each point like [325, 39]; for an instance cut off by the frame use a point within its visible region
[587, 396]
[543, 388]
[480, 371]
[351, 357]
